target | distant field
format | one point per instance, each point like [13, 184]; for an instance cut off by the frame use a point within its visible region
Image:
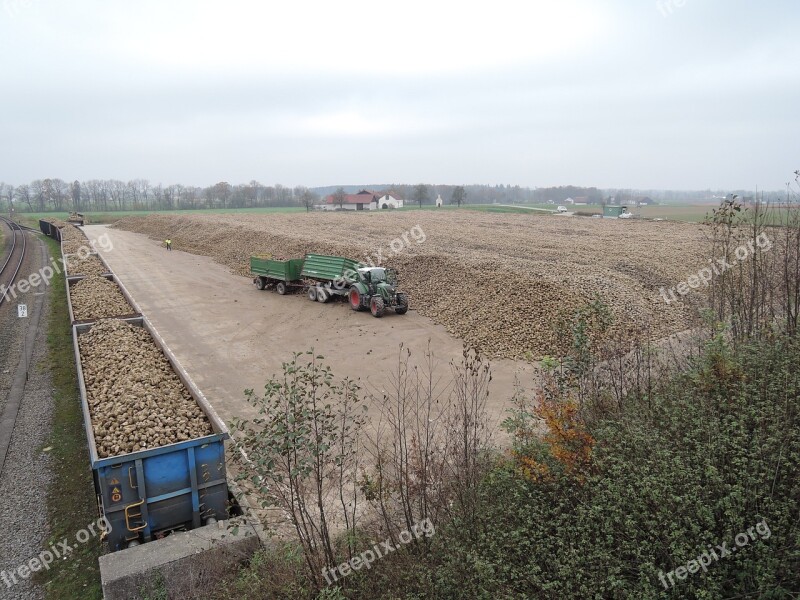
[689, 213]
[674, 212]
[108, 217]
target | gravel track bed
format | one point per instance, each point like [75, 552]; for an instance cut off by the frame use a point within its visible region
[26, 475]
[12, 327]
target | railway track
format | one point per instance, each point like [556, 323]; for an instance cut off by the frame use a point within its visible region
[12, 264]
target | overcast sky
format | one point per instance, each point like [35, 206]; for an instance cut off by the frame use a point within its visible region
[688, 94]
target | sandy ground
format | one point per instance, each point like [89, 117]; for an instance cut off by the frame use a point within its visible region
[229, 336]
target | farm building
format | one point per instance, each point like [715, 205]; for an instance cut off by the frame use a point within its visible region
[364, 200]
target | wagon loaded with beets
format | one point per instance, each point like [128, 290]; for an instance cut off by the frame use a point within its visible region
[323, 278]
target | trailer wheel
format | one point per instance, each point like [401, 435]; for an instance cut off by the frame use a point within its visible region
[322, 295]
[261, 283]
[355, 299]
[312, 293]
[402, 304]
[376, 307]
[280, 287]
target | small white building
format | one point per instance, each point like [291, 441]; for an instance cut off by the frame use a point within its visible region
[387, 200]
[439, 200]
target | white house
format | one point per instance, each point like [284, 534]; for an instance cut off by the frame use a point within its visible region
[387, 200]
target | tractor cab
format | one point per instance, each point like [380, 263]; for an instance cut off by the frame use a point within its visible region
[376, 290]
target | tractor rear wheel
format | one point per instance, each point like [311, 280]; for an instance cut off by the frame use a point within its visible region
[376, 307]
[261, 283]
[402, 304]
[280, 287]
[355, 299]
[312, 293]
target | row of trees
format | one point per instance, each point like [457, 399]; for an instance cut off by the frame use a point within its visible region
[108, 195]
[139, 194]
[104, 195]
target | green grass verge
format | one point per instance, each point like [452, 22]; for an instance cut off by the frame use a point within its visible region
[71, 504]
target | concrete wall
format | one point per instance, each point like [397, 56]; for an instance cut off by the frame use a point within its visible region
[184, 565]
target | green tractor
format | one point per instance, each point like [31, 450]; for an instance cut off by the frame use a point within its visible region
[376, 290]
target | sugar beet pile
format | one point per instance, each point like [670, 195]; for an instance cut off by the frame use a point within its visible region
[498, 281]
[135, 399]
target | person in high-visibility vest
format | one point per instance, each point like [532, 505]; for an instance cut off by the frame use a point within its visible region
[169, 244]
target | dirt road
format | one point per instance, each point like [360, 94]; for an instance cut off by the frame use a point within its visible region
[230, 336]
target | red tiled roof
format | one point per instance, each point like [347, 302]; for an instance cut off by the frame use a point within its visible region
[390, 194]
[353, 198]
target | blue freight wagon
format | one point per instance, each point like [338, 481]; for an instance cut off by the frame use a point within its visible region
[146, 494]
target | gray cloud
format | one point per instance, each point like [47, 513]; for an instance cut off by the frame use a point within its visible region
[625, 94]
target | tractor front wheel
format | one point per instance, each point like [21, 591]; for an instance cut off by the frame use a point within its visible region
[355, 299]
[402, 304]
[376, 307]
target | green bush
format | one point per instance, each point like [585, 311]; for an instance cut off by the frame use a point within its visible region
[711, 455]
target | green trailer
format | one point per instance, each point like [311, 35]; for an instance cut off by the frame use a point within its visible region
[330, 276]
[329, 269]
[282, 274]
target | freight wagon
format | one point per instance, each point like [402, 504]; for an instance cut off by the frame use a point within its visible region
[50, 230]
[135, 311]
[148, 493]
[325, 277]
[92, 255]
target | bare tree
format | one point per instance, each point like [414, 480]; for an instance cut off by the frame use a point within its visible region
[60, 193]
[23, 194]
[421, 194]
[116, 191]
[222, 192]
[7, 194]
[339, 197]
[76, 195]
[459, 195]
[305, 196]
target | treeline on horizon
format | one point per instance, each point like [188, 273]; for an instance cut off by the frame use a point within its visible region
[108, 195]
